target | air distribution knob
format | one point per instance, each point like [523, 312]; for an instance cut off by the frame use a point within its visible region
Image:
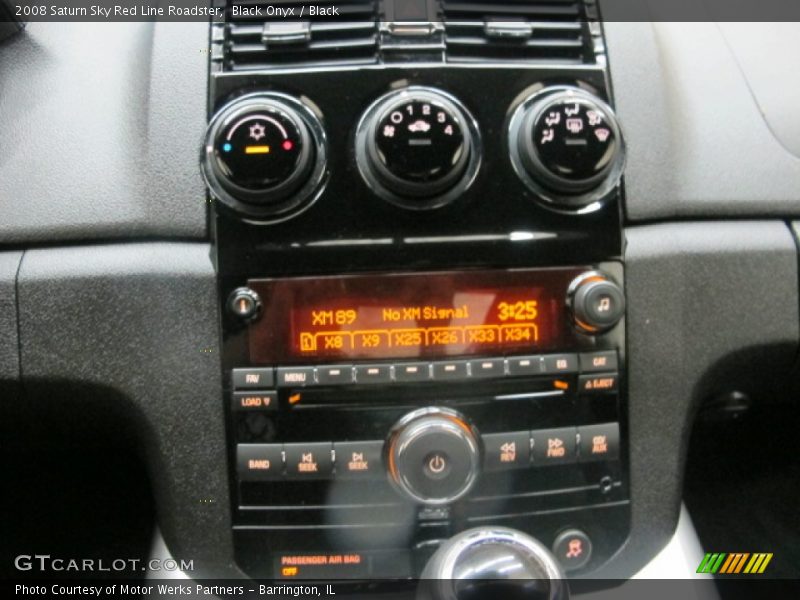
[265, 156]
[418, 147]
[566, 146]
[433, 455]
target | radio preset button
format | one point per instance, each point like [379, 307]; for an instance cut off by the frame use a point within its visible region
[259, 462]
[594, 362]
[309, 461]
[373, 373]
[503, 451]
[295, 376]
[449, 371]
[554, 446]
[335, 375]
[406, 372]
[257, 401]
[359, 460]
[253, 378]
[597, 384]
[599, 442]
[525, 365]
[487, 367]
[556, 364]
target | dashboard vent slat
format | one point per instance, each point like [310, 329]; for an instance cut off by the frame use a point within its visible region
[272, 41]
[516, 30]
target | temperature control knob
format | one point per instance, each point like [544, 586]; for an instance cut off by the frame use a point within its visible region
[265, 156]
[418, 147]
[433, 455]
[566, 146]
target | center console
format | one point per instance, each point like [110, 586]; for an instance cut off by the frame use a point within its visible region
[423, 308]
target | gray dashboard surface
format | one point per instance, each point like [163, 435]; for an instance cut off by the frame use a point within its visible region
[131, 330]
[698, 144]
[101, 129]
[711, 307]
[9, 346]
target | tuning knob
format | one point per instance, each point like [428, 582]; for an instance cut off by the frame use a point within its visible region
[265, 156]
[597, 302]
[418, 148]
[566, 146]
[433, 455]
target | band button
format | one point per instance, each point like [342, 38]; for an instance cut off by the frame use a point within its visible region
[259, 462]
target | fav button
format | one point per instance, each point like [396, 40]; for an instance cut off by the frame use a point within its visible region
[253, 378]
[554, 446]
[412, 372]
[360, 460]
[573, 549]
[309, 461]
[599, 442]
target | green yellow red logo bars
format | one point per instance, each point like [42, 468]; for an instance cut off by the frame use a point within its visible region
[734, 563]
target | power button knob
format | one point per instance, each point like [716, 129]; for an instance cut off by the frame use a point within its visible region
[433, 456]
[597, 303]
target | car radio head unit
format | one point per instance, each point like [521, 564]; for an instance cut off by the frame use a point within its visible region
[420, 315]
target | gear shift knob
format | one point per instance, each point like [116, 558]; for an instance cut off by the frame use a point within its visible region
[492, 562]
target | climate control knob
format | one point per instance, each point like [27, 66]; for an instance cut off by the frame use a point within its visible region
[567, 147]
[418, 147]
[265, 156]
[433, 455]
[597, 302]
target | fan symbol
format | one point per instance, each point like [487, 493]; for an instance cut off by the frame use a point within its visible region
[257, 131]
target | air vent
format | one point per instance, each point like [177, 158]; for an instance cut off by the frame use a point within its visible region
[268, 36]
[519, 30]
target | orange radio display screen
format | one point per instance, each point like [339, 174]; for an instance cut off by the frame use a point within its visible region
[421, 315]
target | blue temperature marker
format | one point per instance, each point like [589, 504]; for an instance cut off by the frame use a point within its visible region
[227, 147]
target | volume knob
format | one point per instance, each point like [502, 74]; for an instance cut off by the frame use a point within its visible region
[433, 456]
